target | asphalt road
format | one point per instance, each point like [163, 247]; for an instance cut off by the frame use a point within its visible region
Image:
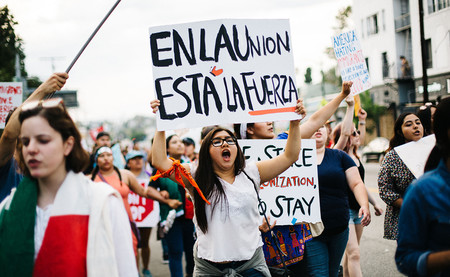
[377, 254]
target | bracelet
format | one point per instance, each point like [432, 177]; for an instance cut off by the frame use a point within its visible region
[362, 123]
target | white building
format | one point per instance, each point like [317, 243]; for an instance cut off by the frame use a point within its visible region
[389, 29]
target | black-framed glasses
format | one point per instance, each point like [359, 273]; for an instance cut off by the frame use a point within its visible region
[45, 104]
[356, 132]
[217, 142]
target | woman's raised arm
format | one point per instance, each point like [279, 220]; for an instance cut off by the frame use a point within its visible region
[159, 153]
[269, 169]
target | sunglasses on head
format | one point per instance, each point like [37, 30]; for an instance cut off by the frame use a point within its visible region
[356, 132]
[217, 142]
[45, 104]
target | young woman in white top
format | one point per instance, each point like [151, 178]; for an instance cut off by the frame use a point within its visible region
[58, 221]
[228, 238]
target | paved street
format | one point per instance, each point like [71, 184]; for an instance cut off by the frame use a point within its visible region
[377, 254]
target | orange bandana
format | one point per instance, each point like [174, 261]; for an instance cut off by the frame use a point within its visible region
[179, 170]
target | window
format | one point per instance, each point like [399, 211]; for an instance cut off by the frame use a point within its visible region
[384, 61]
[372, 25]
[362, 28]
[428, 54]
[436, 5]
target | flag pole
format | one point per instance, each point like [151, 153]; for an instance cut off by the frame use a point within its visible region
[92, 36]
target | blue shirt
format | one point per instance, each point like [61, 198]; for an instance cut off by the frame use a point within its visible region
[424, 225]
[9, 178]
[333, 190]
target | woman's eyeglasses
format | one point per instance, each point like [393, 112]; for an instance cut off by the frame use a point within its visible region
[217, 142]
[45, 104]
[357, 132]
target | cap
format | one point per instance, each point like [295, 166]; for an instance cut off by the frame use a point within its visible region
[101, 134]
[133, 154]
[188, 141]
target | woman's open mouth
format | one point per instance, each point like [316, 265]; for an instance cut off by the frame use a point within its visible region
[226, 155]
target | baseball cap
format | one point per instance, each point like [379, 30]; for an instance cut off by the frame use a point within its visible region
[133, 154]
[188, 141]
[101, 134]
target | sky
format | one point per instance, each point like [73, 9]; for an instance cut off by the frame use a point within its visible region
[113, 76]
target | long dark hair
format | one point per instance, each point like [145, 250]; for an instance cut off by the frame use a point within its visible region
[58, 118]
[208, 181]
[424, 114]
[441, 126]
[398, 138]
[336, 134]
[97, 169]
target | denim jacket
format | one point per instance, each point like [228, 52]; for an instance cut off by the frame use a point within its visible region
[424, 225]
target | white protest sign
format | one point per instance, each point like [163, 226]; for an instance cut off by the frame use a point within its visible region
[293, 196]
[145, 212]
[415, 154]
[223, 71]
[10, 97]
[351, 61]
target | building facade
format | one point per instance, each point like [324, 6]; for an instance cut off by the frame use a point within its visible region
[389, 31]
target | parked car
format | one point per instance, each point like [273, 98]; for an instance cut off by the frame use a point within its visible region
[374, 151]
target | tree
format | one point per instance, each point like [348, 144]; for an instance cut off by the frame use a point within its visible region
[342, 23]
[10, 46]
[342, 18]
[374, 111]
[308, 79]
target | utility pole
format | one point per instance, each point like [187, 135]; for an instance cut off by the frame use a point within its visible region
[423, 47]
[52, 60]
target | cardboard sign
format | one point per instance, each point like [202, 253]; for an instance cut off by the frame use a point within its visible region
[351, 61]
[10, 97]
[223, 71]
[415, 154]
[145, 212]
[293, 196]
[357, 104]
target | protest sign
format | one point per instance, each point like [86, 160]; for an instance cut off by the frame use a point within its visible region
[223, 71]
[351, 61]
[145, 212]
[415, 154]
[293, 196]
[10, 97]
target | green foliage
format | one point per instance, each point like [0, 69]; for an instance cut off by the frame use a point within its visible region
[10, 45]
[342, 19]
[341, 24]
[330, 77]
[33, 82]
[308, 78]
[373, 111]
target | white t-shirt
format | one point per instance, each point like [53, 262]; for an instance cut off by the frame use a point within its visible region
[233, 234]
